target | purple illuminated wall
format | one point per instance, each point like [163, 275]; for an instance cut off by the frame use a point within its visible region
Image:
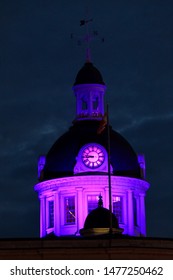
[89, 101]
[81, 187]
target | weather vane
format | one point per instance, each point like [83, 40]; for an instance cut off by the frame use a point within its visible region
[87, 38]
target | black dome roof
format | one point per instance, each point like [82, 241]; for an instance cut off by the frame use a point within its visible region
[89, 74]
[61, 158]
[100, 218]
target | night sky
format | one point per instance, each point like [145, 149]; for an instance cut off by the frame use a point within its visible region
[38, 65]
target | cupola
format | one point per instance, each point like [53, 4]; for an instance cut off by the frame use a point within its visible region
[89, 89]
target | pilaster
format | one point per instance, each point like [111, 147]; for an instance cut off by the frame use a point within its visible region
[130, 212]
[142, 214]
[42, 216]
[80, 218]
[57, 214]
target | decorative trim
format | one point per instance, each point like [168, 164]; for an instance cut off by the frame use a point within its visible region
[118, 182]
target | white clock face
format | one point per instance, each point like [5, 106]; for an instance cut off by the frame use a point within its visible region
[93, 156]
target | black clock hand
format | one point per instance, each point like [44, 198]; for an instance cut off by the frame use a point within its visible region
[88, 156]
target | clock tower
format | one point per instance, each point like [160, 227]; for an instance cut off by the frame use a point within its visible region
[74, 173]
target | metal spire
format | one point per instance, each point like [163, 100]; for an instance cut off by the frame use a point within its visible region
[87, 38]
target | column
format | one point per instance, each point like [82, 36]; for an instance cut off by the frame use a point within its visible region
[42, 216]
[138, 211]
[79, 218]
[125, 221]
[130, 213]
[90, 102]
[142, 214]
[57, 216]
[102, 103]
[106, 200]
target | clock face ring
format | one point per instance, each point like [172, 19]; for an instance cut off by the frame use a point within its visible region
[93, 156]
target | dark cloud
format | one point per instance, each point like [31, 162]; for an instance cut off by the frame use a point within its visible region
[153, 137]
[39, 63]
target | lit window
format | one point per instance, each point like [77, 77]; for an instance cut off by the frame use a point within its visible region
[118, 208]
[92, 202]
[69, 203]
[51, 214]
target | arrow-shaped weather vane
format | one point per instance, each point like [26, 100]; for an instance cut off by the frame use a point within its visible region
[87, 38]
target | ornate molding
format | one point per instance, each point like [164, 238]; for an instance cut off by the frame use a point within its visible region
[86, 181]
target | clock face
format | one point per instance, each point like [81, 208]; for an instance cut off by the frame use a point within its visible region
[93, 156]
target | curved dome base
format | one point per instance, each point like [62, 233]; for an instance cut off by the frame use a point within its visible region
[127, 193]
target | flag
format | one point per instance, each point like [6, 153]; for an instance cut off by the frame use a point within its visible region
[102, 124]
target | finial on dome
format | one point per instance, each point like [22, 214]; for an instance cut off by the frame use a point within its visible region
[87, 38]
[88, 55]
[90, 36]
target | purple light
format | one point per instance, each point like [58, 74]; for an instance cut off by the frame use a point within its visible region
[89, 101]
[90, 158]
[82, 187]
[65, 202]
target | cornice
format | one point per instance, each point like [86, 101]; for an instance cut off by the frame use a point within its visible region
[92, 180]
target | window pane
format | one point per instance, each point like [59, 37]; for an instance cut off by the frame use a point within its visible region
[51, 214]
[69, 210]
[92, 202]
[117, 208]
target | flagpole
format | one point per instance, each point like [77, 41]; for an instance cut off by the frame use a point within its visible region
[109, 173]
